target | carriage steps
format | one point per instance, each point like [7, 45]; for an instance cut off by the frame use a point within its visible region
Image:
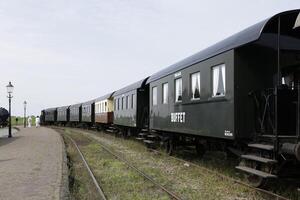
[256, 172]
[266, 147]
[259, 159]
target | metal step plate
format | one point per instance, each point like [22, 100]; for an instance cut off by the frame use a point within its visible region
[256, 172]
[259, 159]
[143, 134]
[148, 141]
[152, 136]
[262, 146]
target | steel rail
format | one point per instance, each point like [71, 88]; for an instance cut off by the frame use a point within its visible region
[278, 197]
[171, 194]
[100, 191]
[266, 192]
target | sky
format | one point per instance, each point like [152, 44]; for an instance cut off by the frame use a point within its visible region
[62, 52]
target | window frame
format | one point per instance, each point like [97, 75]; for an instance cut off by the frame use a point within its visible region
[224, 80]
[154, 101]
[163, 93]
[191, 85]
[133, 101]
[178, 101]
[126, 102]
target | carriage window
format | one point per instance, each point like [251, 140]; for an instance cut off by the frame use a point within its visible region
[195, 83]
[178, 90]
[128, 102]
[115, 104]
[165, 92]
[218, 73]
[105, 106]
[123, 103]
[118, 103]
[133, 101]
[154, 96]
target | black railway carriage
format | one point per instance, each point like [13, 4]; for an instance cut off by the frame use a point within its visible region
[88, 113]
[131, 107]
[50, 116]
[245, 88]
[63, 115]
[42, 117]
[75, 114]
[241, 94]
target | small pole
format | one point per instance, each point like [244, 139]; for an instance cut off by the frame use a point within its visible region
[10, 89]
[9, 128]
[25, 103]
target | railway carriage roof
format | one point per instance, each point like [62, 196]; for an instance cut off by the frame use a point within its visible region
[108, 96]
[75, 105]
[88, 102]
[63, 108]
[50, 109]
[131, 87]
[246, 36]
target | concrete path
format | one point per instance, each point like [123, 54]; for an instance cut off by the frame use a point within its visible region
[32, 165]
[4, 132]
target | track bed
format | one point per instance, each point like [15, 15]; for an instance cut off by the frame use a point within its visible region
[187, 180]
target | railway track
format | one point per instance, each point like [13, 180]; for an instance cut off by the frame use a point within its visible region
[120, 158]
[97, 185]
[270, 194]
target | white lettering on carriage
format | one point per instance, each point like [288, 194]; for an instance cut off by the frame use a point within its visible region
[228, 133]
[177, 74]
[178, 117]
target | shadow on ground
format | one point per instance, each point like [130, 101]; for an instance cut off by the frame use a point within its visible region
[5, 140]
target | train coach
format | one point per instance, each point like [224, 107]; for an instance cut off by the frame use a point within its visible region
[104, 114]
[242, 90]
[50, 116]
[88, 113]
[131, 107]
[63, 115]
[75, 114]
[241, 95]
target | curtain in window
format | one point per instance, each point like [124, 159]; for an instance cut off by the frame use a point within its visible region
[223, 78]
[215, 80]
[154, 95]
[165, 93]
[196, 85]
[219, 79]
[178, 87]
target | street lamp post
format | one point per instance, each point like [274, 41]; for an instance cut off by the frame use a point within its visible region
[25, 103]
[10, 89]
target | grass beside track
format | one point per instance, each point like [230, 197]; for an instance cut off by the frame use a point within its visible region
[80, 184]
[115, 178]
[189, 182]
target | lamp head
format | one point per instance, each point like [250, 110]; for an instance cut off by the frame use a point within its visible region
[10, 88]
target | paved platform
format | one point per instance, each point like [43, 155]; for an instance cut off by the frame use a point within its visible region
[32, 165]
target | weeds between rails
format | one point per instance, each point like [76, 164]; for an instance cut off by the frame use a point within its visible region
[118, 157]
[270, 194]
[97, 185]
